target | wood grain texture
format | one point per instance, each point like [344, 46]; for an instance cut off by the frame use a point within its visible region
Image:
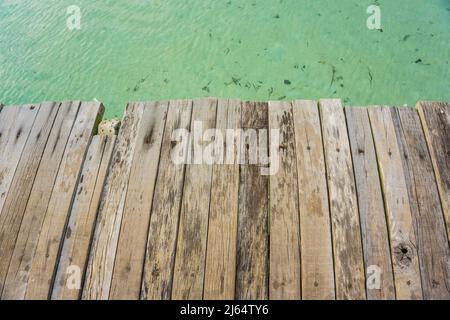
[22, 183]
[26, 244]
[102, 255]
[161, 213]
[435, 117]
[129, 262]
[220, 272]
[315, 226]
[371, 207]
[79, 231]
[190, 257]
[164, 220]
[44, 263]
[284, 278]
[432, 242]
[398, 211]
[348, 253]
[252, 270]
[15, 127]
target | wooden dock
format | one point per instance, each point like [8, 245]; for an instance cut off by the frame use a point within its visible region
[358, 207]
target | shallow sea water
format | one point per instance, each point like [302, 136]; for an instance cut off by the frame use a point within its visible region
[249, 49]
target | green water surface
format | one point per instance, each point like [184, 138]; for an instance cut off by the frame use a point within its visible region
[249, 49]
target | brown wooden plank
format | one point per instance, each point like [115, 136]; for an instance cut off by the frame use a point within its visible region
[78, 234]
[24, 252]
[21, 185]
[220, 272]
[129, 262]
[15, 127]
[315, 225]
[252, 271]
[44, 263]
[104, 244]
[398, 211]
[374, 229]
[348, 253]
[428, 219]
[192, 235]
[435, 117]
[161, 244]
[284, 278]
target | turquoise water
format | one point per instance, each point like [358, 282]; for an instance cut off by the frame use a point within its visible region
[249, 49]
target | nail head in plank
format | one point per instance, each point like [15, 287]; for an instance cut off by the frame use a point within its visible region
[398, 211]
[220, 272]
[284, 278]
[315, 226]
[432, 244]
[192, 235]
[78, 233]
[371, 206]
[252, 271]
[161, 243]
[129, 261]
[349, 264]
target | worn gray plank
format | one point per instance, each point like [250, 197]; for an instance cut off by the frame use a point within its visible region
[44, 265]
[374, 229]
[315, 225]
[102, 255]
[188, 278]
[348, 253]
[15, 127]
[252, 271]
[127, 274]
[284, 278]
[25, 249]
[431, 235]
[398, 210]
[22, 183]
[80, 228]
[435, 117]
[164, 220]
[220, 272]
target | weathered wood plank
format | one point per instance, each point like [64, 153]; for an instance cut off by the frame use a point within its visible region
[162, 236]
[21, 185]
[192, 236]
[284, 278]
[348, 253]
[252, 270]
[44, 265]
[428, 219]
[15, 127]
[79, 231]
[315, 225]
[129, 262]
[374, 229]
[16, 283]
[104, 244]
[398, 211]
[435, 117]
[220, 272]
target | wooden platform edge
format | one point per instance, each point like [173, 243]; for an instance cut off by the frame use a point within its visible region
[373, 115]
